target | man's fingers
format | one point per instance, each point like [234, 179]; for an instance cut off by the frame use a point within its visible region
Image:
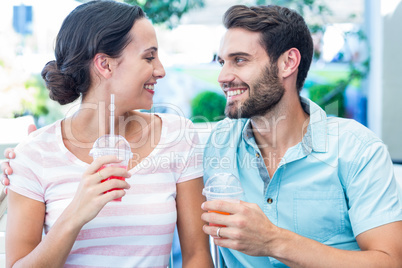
[31, 128]
[220, 205]
[213, 217]
[249, 205]
[213, 230]
[3, 179]
[5, 168]
[9, 153]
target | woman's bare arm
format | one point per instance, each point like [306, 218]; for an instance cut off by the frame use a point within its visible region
[194, 243]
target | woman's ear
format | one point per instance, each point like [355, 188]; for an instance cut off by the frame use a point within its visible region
[290, 61]
[102, 65]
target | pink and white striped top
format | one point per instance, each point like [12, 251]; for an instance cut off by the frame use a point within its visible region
[136, 232]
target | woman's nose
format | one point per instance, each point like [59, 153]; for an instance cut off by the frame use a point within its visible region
[159, 71]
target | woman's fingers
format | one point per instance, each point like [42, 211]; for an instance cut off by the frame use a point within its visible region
[99, 162]
[113, 177]
[113, 184]
[111, 195]
[109, 171]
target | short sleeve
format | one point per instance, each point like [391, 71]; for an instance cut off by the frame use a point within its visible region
[25, 179]
[192, 167]
[372, 190]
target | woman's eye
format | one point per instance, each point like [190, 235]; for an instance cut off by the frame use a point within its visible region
[150, 57]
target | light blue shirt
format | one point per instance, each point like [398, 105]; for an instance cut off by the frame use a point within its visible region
[335, 184]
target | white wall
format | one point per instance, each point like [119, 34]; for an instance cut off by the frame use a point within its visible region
[385, 94]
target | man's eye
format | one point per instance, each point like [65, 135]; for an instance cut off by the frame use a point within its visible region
[238, 60]
[221, 62]
[150, 58]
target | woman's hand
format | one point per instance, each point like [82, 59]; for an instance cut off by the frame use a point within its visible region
[92, 195]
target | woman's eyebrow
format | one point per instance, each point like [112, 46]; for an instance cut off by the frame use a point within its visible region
[151, 49]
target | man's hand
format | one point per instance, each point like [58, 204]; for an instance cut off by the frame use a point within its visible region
[5, 167]
[10, 154]
[247, 229]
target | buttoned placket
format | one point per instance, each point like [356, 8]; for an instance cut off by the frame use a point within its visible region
[271, 185]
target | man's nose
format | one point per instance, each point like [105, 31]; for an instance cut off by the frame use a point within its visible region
[226, 75]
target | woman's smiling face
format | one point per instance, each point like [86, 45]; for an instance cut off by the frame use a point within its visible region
[138, 68]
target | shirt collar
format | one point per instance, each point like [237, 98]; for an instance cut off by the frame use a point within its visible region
[315, 138]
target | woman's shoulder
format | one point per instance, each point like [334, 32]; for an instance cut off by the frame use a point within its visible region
[175, 121]
[177, 129]
[171, 117]
[46, 134]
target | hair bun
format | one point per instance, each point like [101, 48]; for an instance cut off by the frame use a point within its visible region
[62, 87]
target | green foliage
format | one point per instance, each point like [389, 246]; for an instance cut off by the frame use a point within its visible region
[300, 6]
[36, 98]
[166, 11]
[335, 105]
[331, 96]
[208, 106]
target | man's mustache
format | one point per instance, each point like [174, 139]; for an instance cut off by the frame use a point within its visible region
[233, 85]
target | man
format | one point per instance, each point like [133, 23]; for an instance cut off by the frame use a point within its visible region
[319, 191]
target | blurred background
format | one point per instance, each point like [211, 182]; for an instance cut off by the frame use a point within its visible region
[354, 73]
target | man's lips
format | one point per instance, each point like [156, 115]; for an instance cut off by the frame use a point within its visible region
[235, 92]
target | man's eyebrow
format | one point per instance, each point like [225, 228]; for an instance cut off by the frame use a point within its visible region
[235, 54]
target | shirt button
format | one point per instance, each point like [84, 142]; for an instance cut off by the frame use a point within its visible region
[257, 155]
[269, 200]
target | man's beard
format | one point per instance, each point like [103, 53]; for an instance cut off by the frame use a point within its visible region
[266, 94]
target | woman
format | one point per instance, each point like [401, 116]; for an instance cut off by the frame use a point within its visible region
[103, 48]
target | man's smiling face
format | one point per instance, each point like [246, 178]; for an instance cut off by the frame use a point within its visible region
[250, 82]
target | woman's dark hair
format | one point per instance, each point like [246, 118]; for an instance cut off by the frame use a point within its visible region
[281, 29]
[91, 28]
